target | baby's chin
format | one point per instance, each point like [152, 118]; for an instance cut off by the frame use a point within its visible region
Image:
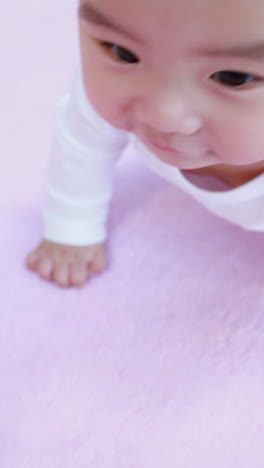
[187, 163]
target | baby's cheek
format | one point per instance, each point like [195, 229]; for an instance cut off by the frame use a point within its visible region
[239, 141]
[103, 100]
[248, 135]
[248, 146]
[110, 109]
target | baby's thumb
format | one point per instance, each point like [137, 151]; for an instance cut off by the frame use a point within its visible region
[99, 263]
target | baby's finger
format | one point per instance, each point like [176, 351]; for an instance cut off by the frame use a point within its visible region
[31, 260]
[99, 263]
[45, 268]
[60, 274]
[79, 273]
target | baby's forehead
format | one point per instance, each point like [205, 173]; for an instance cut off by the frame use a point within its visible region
[230, 10]
[222, 22]
[227, 13]
[219, 21]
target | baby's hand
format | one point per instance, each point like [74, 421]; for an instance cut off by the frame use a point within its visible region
[67, 265]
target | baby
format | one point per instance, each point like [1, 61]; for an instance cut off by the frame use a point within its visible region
[183, 81]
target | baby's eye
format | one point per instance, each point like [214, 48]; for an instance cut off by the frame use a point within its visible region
[233, 79]
[121, 54]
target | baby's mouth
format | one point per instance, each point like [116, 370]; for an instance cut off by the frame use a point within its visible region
[176, 150]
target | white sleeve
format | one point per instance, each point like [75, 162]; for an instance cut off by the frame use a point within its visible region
[79, 182]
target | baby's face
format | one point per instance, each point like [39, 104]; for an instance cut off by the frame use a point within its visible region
[185, 76]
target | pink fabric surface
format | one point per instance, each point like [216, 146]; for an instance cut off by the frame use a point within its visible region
[159, 362]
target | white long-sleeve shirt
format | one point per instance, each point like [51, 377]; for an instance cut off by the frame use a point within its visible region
[80, 176]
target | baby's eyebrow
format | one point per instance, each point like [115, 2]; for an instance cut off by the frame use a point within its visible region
[91, 14]
[253, 51]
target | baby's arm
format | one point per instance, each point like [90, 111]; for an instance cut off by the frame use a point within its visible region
[79, 189]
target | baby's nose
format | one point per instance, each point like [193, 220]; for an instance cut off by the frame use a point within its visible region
[171, 115]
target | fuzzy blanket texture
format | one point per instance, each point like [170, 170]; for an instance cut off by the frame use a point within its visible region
[159, 363]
